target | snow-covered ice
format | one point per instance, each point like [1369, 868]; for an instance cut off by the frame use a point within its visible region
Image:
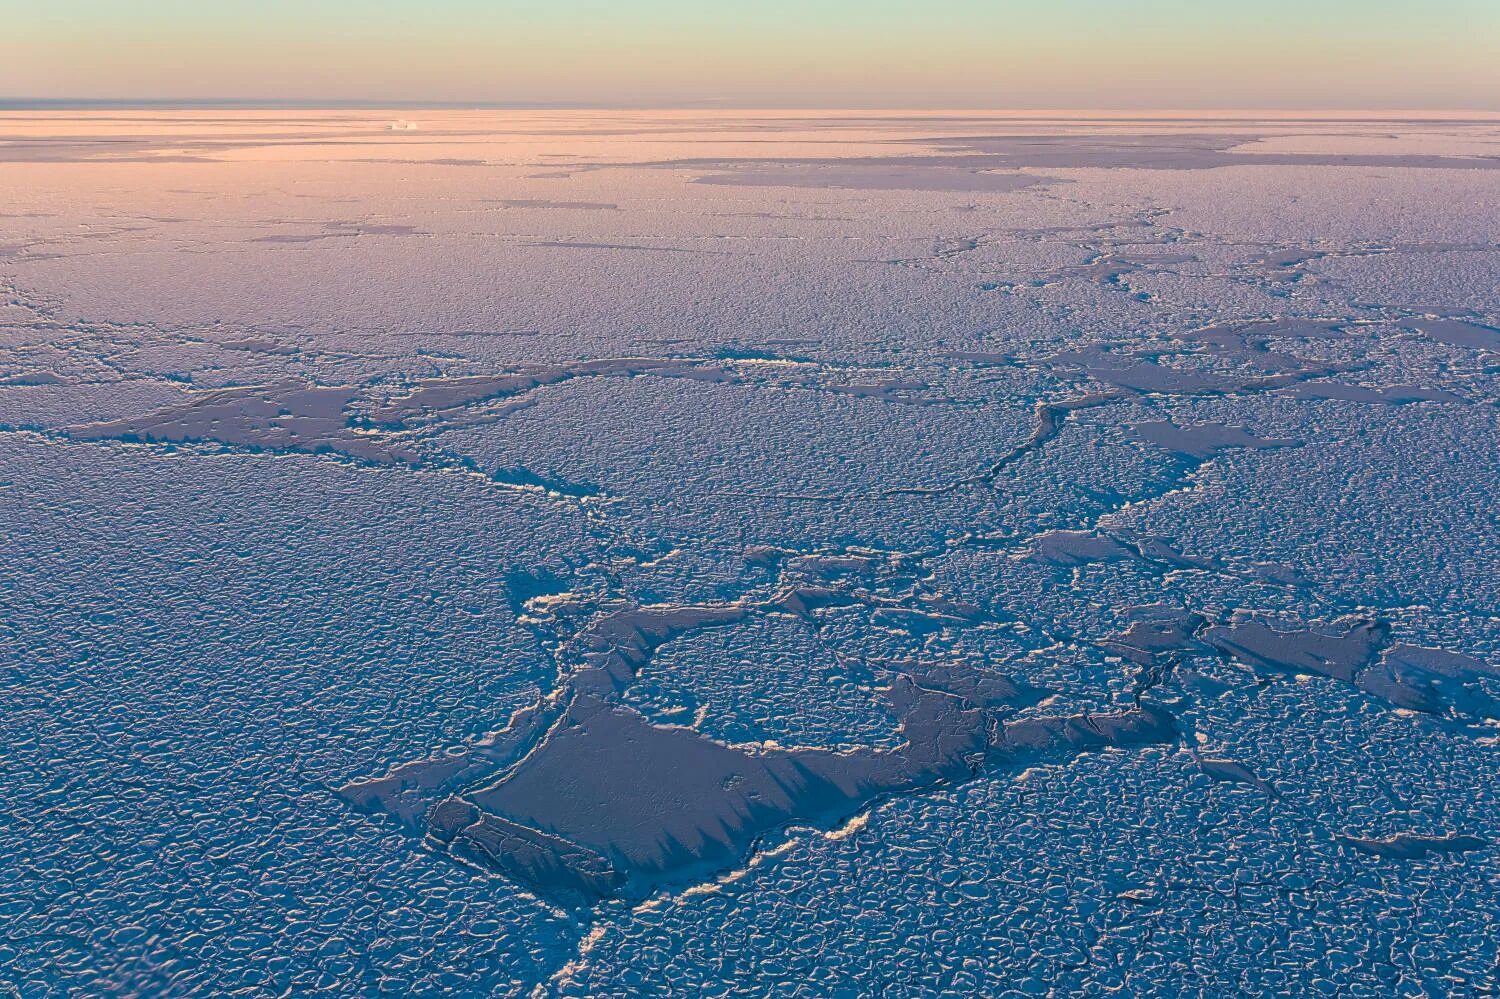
[704, 553]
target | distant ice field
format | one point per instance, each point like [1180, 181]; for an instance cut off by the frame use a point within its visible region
[564, 553]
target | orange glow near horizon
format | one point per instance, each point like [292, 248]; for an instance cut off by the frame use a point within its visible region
[959, 54]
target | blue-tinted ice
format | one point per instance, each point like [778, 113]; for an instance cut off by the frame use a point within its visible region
[855, 554]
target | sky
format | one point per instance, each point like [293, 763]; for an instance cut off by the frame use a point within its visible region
[1292, 54]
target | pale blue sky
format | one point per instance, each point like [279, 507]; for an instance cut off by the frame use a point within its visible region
[800, 53]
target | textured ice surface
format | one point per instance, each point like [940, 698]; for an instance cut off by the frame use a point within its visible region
[706, 553]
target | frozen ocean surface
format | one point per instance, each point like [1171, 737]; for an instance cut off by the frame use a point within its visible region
[587, 554]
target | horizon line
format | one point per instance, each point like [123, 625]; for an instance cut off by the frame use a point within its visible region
[13, 103]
